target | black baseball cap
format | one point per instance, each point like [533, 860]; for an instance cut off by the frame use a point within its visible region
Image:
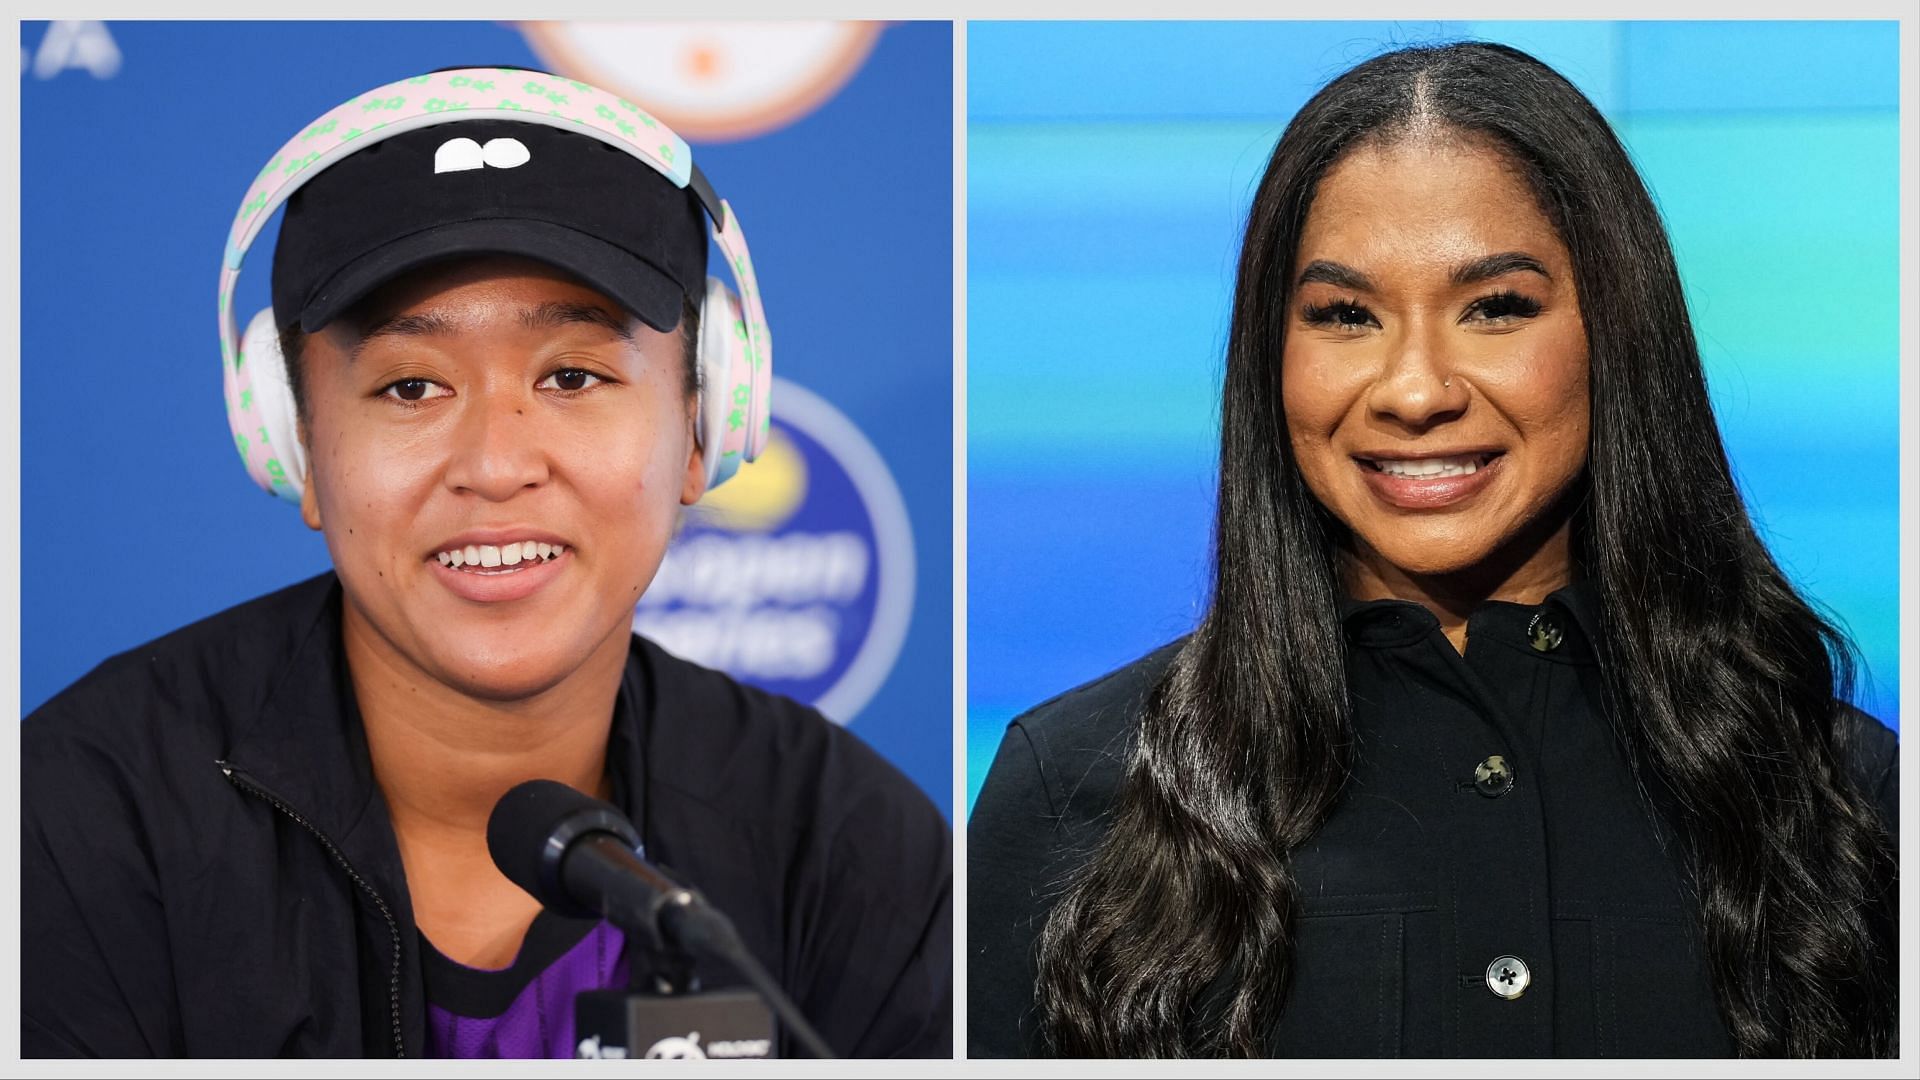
[489, 187]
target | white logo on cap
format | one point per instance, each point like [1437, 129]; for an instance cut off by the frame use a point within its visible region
[459, 155]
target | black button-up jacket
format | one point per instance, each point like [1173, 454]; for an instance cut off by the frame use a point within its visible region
[1490, 883]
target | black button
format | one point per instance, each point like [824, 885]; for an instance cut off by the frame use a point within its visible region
[1493, 777]
[1543, 633]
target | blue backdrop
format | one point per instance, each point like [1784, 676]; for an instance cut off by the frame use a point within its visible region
[136, 153]
[1109, 170]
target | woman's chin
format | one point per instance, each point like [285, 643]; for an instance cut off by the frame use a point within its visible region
[1423, 556]
[507, 675]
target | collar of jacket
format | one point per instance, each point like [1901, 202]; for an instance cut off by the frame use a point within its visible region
[1392, 623]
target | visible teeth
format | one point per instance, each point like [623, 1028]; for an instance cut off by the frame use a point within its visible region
[489, 556]
[1427, 467]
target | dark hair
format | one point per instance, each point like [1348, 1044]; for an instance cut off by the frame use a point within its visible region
[1720, 679]
[293, 341]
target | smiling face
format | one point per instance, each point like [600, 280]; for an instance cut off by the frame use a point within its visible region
[1435, 366]
[476, 408]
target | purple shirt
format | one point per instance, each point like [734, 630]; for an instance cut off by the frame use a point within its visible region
[524, 1010]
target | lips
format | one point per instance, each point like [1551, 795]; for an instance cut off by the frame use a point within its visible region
[1429, 482]
[499, 564]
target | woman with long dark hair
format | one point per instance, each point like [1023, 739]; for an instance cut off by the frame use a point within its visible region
[1503, 733]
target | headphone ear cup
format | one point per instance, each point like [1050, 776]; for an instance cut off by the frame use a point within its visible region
[726, 384]
[261, 412]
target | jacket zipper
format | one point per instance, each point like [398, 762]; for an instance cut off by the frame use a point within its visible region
[247, 785]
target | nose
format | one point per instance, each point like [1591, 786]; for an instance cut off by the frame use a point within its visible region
[497, 451]
[1417, 386]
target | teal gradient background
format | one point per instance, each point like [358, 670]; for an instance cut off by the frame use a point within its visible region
[1109, 170]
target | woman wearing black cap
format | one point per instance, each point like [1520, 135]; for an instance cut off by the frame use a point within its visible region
[265, 834]
[1503, 735]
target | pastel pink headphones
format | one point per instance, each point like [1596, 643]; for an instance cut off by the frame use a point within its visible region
[735, 350]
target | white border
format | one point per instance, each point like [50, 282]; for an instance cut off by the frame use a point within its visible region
[1909, 749]
[10, 583]
[1909, 487]
[959, 572]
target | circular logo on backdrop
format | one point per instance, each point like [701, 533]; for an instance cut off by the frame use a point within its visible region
[797, 574]
[710, 80]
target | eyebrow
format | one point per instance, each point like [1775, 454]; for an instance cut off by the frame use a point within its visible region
[425, 325]
[556, 313]
[546, 316]
[1328, 272]
[1340, 275]
[1493, 266]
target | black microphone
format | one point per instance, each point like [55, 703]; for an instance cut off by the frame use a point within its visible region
[578, 856]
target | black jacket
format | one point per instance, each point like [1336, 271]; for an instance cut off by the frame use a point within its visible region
[208, 868]
[1437, 868]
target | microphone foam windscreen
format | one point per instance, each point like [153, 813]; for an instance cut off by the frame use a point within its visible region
[531, 827]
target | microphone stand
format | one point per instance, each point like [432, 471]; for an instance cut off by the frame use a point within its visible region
[671, 972]
[651, 1018]
[663, 1012]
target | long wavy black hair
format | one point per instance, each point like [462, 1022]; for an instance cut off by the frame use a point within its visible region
[1721, 680]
